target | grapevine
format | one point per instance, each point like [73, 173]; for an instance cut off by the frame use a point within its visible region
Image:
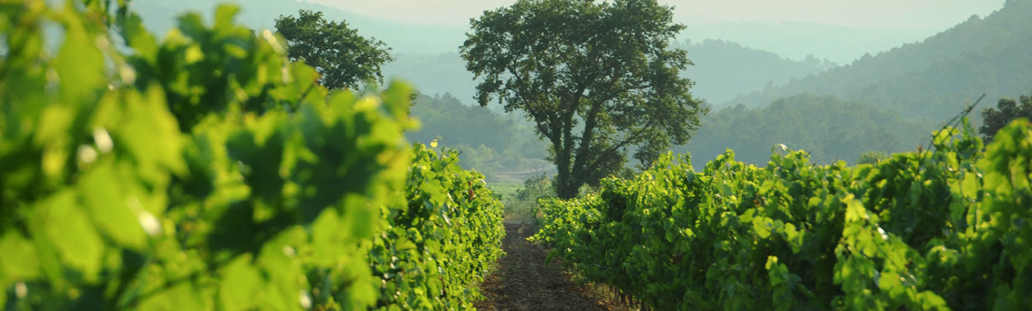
[946, 228]
[205, 171]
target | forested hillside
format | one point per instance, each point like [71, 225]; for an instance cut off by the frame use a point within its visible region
[826, 127]
[725, 69]
[935, 77]
[436, 73]
[502, 147]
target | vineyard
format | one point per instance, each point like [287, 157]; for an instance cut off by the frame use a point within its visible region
[205, 171]
[947, 228]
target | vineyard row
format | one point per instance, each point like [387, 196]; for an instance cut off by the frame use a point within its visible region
[947, 228]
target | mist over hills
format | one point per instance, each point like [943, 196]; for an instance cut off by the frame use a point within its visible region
[827, 127]
[888, 102]
[427, 55]
[722, 71]
[932, 78]
[794, 40]
[261, 14]
[767, 83]
[798, 40]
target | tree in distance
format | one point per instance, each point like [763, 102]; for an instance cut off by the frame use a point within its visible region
[1006, 110]
[338, 53]
[594, 77]
[871, 157]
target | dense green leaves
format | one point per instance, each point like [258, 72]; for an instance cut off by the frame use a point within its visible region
[933, 230]
[438, 248]
[342, 57]
[205, 171]
[595, 78]
[1006, 110]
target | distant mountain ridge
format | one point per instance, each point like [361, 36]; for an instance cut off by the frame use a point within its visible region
[792, 40]
[932, 78]
[261, 14]
[725, 69]
[796, 40]
[722, 70]
[427, 55]
[888, 102]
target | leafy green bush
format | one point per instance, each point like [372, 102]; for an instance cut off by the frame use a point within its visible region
[205, 171]
[523, 203]
[943, 229]
[438, 249]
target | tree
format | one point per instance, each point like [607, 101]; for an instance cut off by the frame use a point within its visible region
[602, 70]
[1006, 110]
[871, 157]
[338, 53]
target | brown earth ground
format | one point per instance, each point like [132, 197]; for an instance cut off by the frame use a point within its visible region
[523, 280]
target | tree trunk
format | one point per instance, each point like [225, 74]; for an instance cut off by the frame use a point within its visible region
[567, 191]
[565, 185]
[567, 182]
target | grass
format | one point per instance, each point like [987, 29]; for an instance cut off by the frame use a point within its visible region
[517, 210]
[504, 191]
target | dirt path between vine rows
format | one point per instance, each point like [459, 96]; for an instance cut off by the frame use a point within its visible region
[523, 281]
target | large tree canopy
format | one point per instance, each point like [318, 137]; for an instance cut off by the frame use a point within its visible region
[596, 78]
[341, 56]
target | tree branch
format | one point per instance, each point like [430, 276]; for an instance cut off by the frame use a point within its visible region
[629, 139]
[537, 118]
[589, 133]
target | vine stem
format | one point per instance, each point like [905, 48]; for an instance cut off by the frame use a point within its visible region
[957, 118]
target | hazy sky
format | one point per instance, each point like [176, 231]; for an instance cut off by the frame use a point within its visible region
[881, 14]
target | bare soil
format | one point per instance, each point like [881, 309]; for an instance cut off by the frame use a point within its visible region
[524, 281]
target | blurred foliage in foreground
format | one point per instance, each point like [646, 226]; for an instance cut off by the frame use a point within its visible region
[205, 171]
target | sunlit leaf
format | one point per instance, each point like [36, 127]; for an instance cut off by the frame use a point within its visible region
[106, 198]
[240, 285]
[21, 263]
[68, 225]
